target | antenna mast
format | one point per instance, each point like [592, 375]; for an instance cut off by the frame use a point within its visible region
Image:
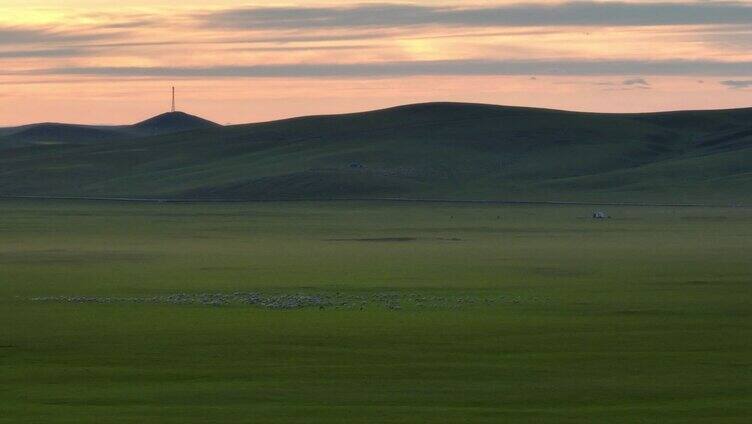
[173, 99]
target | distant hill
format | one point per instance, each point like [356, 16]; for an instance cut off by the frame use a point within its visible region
[435, 150]
[64, 133]
[172, 122]
[57, 133]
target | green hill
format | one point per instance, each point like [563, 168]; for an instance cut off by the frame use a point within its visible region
[57, 133]
[171, 122]
[437, 150]
[54, 133]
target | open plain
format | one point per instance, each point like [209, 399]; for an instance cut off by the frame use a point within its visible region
[373, 312]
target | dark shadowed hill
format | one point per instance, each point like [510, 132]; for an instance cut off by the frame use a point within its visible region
[172, 122]
[437, 150]
[56, 133]
[64, 133]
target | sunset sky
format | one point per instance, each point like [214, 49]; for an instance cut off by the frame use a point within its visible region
[97, 61]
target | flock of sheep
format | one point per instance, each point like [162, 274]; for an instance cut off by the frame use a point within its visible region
[285, 301]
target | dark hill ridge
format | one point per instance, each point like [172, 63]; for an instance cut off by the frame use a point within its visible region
[49, 132]
[435, 150]
[172, 122]
[64, 133]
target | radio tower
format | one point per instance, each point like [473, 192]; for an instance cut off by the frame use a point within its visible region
[173, 99]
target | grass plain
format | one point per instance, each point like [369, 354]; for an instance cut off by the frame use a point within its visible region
[644, 317]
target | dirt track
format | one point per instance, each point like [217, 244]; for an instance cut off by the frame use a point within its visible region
[357, 199]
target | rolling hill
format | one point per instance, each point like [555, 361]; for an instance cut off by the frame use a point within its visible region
[436, 150]
[54, 133]
[171, 122]
[57, 133]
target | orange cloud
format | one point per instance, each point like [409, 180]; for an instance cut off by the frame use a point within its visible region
[92, 55]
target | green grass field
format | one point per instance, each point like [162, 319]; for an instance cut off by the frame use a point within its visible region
[644, 317]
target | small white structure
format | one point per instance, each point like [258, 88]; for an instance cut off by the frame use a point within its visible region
[600, 215]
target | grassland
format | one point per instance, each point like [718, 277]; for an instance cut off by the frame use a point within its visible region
[644, 317]
[441, 150]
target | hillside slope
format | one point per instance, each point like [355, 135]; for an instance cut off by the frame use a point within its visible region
[57, 133]
[54, 133]
[438, 150]
[171, 122]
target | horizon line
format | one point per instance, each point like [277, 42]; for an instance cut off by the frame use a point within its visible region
[404, 105]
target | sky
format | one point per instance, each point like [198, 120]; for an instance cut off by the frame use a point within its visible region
[105, 62]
